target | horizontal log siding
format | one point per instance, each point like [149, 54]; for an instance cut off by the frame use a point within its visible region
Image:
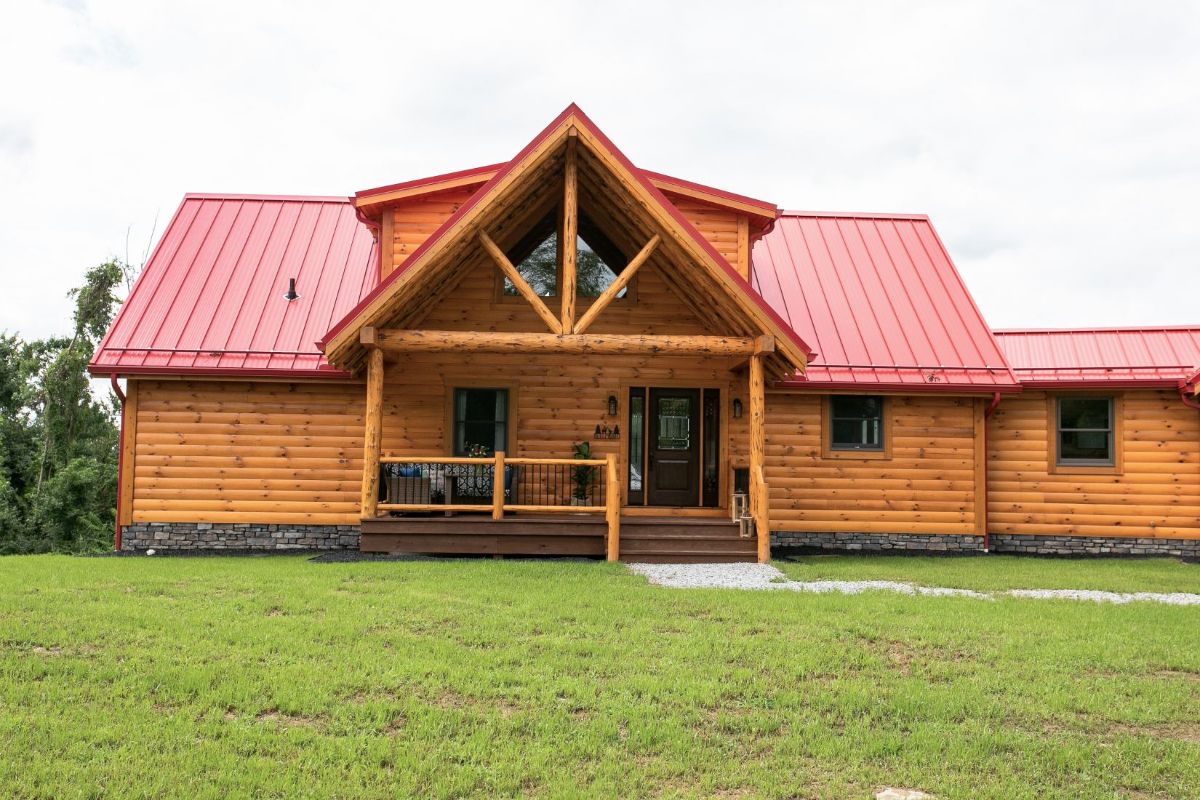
[926, 487]
[1157, 496]
[413, 221]
[237, 451]
[718, 226]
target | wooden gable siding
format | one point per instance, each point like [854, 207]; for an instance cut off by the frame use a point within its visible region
[725, 230]
[555, 401]
[927, 486]
[474, 305]
[238, 451]
[412, 222]
[1156, 494]
[409, 224]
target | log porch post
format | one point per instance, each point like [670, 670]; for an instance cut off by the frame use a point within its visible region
[759, 506]
[373, 430]
[612, 507]
[498, 487]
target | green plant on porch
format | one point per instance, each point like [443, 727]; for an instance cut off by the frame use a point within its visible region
[582, 476]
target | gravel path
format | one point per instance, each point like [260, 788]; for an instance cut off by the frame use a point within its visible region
[765, 576]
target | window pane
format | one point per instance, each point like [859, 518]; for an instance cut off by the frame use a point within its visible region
[857, 406]
[539, 269]
[480, 419]
[1084, 445]
[856, 422]
[593, 275]
[1084, 412]
[674, 423]
[637, 426]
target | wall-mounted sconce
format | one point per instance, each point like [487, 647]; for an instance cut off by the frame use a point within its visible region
[737, 408]
[612, 405]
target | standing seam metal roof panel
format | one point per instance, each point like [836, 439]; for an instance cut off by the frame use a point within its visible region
[210, 300]
[1099, 356]
[879, 299]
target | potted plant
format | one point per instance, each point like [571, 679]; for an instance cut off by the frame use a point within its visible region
[582, 476]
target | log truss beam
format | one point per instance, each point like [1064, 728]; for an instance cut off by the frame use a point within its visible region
[615, 288]
[522, 286]
[570, 229]
[426, 341]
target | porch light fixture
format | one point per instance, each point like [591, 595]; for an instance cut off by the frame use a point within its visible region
[737, 408]
[612, 405]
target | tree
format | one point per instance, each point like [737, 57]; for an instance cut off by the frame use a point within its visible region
[59, 441]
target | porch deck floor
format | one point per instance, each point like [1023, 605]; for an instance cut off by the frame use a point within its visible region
[643, 538]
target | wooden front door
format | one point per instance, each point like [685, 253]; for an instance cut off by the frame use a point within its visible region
[673, 449]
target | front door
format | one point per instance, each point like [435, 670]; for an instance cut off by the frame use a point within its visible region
[673, 449]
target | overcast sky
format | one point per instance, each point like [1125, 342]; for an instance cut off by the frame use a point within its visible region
[1055, 145]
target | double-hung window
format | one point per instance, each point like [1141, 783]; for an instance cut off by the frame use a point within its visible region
[480, 420]
[856, 423]
[1085, 431]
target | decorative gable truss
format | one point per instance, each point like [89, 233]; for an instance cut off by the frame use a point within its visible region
[573, 168]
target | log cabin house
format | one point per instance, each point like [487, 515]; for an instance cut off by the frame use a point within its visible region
[567, 354]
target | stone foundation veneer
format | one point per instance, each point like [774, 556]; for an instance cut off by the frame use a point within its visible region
[877, 541]
[167, 536]
[998, 543]
[1094, 546]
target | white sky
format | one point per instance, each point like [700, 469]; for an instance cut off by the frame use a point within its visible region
[1056, 146]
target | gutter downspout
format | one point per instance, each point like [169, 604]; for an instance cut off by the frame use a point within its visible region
[1188, 401]
[116, 387]
[987, 414]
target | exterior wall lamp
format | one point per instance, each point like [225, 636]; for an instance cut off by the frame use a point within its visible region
[737, 408]
[612, 405]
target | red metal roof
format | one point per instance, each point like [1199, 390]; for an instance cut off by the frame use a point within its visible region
[1103, 356]
[210, 300]
[880, 300]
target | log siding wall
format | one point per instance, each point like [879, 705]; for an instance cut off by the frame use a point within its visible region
[1155, 495]
[247, 452]
[926, 485]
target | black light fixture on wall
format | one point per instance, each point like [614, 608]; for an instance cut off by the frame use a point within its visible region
[737, 408]
[612, 405]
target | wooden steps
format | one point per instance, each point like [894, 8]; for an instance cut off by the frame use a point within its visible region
[647, 539]
[684, 540]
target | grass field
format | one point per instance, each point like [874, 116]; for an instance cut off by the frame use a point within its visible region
[277, 677]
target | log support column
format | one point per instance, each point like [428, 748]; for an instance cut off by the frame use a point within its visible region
[372, 433]
[759, 504]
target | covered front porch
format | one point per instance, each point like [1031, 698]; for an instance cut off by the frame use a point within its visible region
[665, 472]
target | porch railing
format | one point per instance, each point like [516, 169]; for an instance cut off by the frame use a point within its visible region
[500, 485]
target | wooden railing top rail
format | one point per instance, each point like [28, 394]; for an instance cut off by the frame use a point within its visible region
[553, 462]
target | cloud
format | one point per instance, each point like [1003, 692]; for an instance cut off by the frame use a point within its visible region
[1052, 144]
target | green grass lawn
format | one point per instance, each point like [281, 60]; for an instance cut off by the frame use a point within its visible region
[997, 573]
[277, 677]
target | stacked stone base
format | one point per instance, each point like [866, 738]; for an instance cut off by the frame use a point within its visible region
[194, 536]
[998, 543]
[784, 540]
[1094, 546]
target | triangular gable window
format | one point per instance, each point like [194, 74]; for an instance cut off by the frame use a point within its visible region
[541, 266]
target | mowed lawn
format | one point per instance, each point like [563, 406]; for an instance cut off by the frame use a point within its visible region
[278, 677]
